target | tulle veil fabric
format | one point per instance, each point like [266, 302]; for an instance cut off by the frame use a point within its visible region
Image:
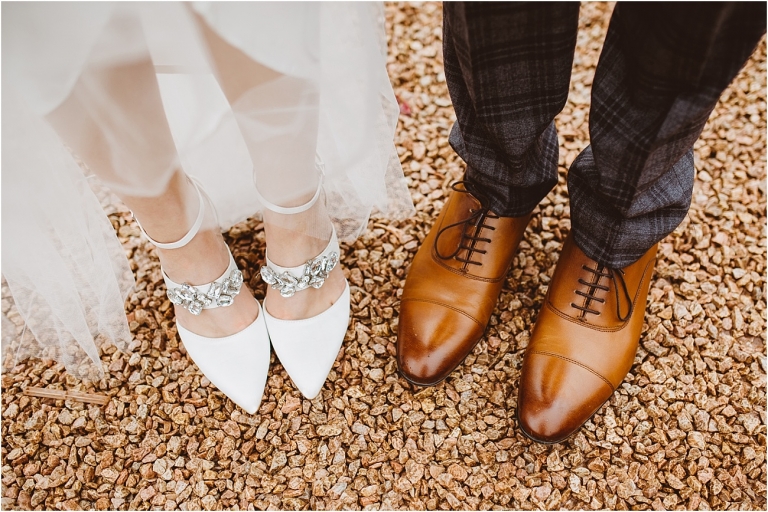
[328, 100]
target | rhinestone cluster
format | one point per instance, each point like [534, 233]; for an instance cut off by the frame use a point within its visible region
[314, 274]
[219, 293]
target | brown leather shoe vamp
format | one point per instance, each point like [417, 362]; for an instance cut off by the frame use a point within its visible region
[583, 344]
[452, 287]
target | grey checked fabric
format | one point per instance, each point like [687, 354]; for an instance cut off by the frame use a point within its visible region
[661, 71]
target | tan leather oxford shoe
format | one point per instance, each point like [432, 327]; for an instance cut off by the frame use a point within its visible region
[583, 344]
[453, 285]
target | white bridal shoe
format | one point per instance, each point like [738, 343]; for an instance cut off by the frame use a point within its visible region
[238, 364]
[308, 347]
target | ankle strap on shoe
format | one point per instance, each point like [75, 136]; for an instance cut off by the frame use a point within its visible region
[219, 293]
[192, 231]
[295, 279]
[320, 166]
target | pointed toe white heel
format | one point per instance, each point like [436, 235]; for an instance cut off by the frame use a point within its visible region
[237, 364]
[307, 348]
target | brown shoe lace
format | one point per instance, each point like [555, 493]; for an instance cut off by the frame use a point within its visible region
[615, 275]
[469, 241]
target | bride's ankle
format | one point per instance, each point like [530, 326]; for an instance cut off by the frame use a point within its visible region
[293, 239]
[201, 261]
[289, 248]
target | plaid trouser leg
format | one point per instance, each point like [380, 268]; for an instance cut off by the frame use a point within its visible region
[661, 72]
[508, 66]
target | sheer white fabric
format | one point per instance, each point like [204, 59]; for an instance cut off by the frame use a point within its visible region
[63, 264]
[322, 92]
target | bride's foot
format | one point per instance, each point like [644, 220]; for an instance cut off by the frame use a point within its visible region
[217, 318]
[306, 327]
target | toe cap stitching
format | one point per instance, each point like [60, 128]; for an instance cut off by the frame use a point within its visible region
[438, 303]
[573, 361]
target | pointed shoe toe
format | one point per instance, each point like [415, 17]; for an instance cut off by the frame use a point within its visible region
[308, 348]
[237, 365]
[556, 397]
[433, 340]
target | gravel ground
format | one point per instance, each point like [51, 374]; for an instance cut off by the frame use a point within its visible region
[686, 430]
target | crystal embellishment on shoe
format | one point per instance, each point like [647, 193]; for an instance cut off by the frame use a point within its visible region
[220, 293]
[314, 274]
